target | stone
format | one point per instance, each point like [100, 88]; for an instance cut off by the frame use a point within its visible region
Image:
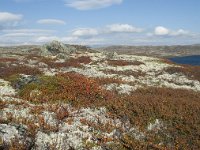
[24, 80]
[58, 49]
[110, 55]
[8, 132]
[6, 88]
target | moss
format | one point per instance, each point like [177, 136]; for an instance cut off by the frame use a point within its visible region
[13, 79]
[1, 141]
[27, 89]
[89, 145]
[47, 85]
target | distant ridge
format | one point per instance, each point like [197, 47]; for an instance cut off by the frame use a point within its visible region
[163, 51]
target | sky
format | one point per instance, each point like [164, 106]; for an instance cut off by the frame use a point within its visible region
[100, 22]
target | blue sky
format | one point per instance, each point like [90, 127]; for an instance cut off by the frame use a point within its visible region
[100, 22]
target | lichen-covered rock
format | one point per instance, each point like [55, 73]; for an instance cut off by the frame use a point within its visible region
[156, 125]
[51, 141]
[6, 89]
[110, 55]
[24, 80]
[8, 132]
[122, 88]
[58, 49]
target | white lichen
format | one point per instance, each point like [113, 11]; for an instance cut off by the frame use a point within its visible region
[8, 133]
[6, 89]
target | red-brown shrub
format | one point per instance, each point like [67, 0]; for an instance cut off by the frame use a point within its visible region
[72, 62]
[178, 109]
[103, 81]
[123, 63]
[3, 60]
[84, 59]
[5, 72]
[69, 87]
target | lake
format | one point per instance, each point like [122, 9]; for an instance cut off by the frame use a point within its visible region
[189, 60]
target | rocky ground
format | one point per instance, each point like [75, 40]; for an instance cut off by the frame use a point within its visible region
[61, 97]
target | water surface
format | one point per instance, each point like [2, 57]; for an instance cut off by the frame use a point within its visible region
[189, 60]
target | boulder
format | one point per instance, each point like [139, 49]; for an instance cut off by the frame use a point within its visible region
[110, 55]
[58, 49]
[24, 80]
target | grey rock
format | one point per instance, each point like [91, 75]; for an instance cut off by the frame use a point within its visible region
[63, 56]
[21, 128]
[42, 65]
[58, 49]
[117, 134]
[8, 132]
[110, 55]
[24, 80]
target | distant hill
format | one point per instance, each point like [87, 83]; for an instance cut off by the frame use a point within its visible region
[159, 51]
[164, 51]
[36, 49]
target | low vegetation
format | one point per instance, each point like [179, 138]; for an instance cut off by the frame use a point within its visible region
[161, 118]
[4, 60]
[7, 71]
[180, 118]
[192, 72]
[104, 81]
[71, 62]
[123, 63]
[127, 73]
[69, 87]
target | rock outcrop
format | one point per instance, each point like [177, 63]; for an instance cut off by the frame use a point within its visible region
[58, 49]
[110, 55]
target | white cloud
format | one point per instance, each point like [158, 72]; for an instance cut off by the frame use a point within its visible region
[180, 32]
[162, 31]
[115, 34]
[69, 39]
[9, 20]
[44, 39]
[91, 4]
[51, 21]
[22, 36]
[109, 29]
[85, 32]
[123, 28]
[28, 31]
[25, 34]
[6, 17]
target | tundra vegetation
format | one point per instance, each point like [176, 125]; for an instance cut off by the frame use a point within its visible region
[90, 101]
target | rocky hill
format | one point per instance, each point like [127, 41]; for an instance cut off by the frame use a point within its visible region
[70, 97]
